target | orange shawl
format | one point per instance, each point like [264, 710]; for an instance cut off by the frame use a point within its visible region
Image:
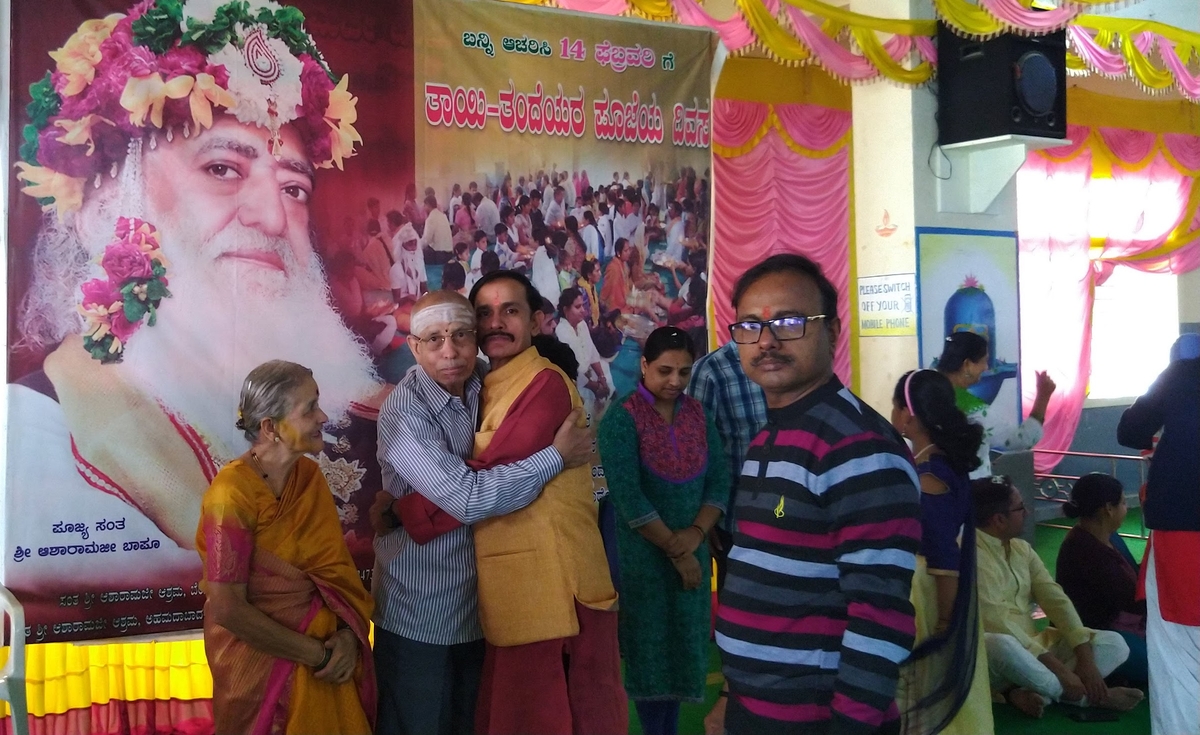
[291, 555]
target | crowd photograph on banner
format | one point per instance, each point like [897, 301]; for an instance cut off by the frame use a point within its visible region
[613, 262]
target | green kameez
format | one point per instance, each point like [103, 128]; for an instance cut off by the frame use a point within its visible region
[663, 629]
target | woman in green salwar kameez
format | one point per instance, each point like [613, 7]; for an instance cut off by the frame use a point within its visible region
[668, 477]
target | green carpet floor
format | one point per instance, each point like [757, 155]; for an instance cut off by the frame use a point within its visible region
[1008, 720]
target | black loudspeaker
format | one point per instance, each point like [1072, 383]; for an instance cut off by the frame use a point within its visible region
[1008, 85]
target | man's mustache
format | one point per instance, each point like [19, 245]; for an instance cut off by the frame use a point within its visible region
[776, 358]
[505, 335]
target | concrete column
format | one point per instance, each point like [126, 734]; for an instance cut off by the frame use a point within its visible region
[895, 131]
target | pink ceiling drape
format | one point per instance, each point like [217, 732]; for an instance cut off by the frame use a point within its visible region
[789, 193]
[1075, 227]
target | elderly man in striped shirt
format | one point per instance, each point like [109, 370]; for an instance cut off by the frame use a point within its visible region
[429, 645]
[815, 617]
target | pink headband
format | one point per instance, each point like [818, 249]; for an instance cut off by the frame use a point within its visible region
[908, 393]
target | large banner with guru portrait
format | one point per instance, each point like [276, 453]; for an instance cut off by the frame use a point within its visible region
[574, 148]
[192, 189]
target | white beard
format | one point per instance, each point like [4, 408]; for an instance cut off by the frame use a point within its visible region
[225, 317]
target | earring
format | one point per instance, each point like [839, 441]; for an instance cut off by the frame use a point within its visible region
[276, 440]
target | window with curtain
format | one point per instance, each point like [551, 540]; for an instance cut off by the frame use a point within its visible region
[1134, 321]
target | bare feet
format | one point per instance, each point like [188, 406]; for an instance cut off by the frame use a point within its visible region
[1122, 699]
[714, 722]
[1028, 702]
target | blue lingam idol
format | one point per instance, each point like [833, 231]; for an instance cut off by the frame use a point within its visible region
[970, 309]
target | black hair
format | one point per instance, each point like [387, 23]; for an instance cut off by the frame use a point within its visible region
[586, 268]
[489, 262]
[1091, 493]
[532, 298]
[558, 353]
[589, 216]
[620, 245]
[991, 496]
[506, 211]
[477, 199]
[500, 229]
[453, 276]
[571, 223]
[665, 339]
[522, 201]
[461, 247]
[784, 263]
[960, 347]
[548, 309]
[932, 397]
[698, 260]
[479, 235]
[373, 227]
[568, 297]
[559, 239]
[431, 201]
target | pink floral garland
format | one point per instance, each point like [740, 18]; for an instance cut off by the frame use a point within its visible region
[136, 283]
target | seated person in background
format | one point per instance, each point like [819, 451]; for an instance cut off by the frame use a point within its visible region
[1097, 572]
[454, 278]
[1065, 663]
[488, 263]
[549, 325]
[508, 251]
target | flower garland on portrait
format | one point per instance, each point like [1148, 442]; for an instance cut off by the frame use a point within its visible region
[135, 282]
[166, 67]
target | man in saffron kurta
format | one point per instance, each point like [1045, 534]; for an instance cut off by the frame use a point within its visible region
[546, 600]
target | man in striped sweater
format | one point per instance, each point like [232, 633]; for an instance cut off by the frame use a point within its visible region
[815, 615]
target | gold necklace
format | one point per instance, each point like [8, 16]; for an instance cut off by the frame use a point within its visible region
[258, 464]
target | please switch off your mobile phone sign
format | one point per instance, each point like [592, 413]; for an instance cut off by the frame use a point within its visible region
[887, 305]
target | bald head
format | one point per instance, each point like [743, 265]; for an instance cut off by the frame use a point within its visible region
[440, 311]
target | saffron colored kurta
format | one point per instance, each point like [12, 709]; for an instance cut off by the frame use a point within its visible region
[656, 470]
[290, 554]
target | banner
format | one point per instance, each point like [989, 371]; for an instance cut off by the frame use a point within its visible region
[184, 207]
[967, 282]
[608, 123]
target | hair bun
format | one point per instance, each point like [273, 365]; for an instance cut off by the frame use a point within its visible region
[240, 424]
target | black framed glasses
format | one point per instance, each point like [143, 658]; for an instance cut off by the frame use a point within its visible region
[1019, 509]
[784, 328]
[460, 337]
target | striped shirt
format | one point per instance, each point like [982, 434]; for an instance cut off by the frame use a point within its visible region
[427, 592]
[815, 615]
[737, 405]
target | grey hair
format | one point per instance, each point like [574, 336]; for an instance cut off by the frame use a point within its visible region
[267, 394]
[64, 249]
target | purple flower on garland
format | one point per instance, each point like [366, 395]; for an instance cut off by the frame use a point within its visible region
[115, 307]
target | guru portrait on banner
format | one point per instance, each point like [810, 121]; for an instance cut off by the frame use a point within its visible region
[174, 149]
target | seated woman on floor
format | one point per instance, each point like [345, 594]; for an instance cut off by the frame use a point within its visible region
[1099, 574]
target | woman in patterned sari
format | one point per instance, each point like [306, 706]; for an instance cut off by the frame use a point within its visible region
[286, 620]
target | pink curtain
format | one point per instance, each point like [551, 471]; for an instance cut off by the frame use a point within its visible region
[1062, 213]
[774, 200]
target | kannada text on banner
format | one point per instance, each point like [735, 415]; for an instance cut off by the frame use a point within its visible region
[575, 149]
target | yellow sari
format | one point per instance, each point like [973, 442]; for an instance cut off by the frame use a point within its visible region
[291, 555]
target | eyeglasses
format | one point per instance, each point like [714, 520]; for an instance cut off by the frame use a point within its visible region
[784, 328]
[459, 337]
[1019, 509]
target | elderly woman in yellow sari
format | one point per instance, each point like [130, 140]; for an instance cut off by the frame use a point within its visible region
[286, 621]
